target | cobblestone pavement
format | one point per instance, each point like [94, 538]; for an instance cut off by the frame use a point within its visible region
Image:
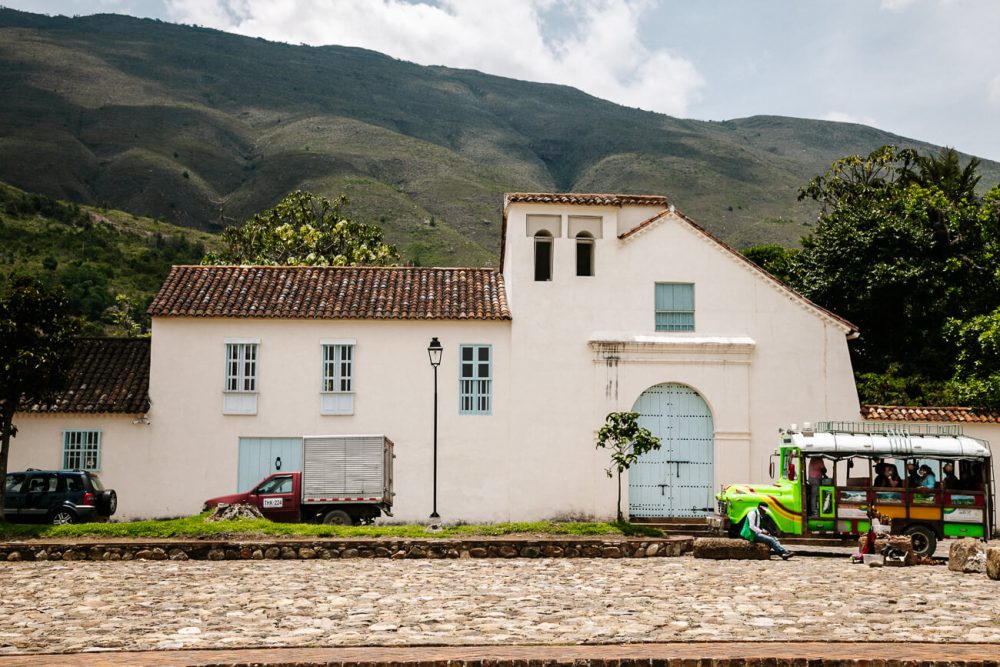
[83, 606]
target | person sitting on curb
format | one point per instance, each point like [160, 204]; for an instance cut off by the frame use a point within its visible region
[753, 532]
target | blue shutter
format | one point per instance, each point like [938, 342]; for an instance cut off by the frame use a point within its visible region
[674, 307]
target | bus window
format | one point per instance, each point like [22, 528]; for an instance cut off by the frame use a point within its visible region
[971, 477]
[818, 475]
[854, 472]
[949, 477]
[887, 474]
[927, 474]
[818, 468]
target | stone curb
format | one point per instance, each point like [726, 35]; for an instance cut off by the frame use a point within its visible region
[689, 654]
[324, 549]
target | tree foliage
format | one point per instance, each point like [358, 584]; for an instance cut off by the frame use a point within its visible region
[773, 258]
[905, 249]
[36, 343]
[304, 229]
[627, 441]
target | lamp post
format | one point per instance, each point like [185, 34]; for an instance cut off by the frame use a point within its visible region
[434, 352]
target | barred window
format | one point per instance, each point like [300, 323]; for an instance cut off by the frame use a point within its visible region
[81, 450]
[476, 380]
[241, 366]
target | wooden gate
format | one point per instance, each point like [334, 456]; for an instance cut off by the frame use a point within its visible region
[676, 480]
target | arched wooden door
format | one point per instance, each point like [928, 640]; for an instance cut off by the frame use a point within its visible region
[676, 480]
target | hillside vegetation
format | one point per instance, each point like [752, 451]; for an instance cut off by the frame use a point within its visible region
[204, 128]
[94, 255]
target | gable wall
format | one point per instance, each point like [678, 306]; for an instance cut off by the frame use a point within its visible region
[798, 369]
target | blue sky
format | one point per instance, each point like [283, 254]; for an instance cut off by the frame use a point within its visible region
[927, 69]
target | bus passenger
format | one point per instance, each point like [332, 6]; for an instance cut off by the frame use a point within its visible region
[925, 477]
[948, 479]
[889, 477]
[912, 477]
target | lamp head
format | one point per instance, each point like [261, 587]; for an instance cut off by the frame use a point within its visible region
[434, 352]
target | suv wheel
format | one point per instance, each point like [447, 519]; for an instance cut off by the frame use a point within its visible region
[107, 502]
[62, 517]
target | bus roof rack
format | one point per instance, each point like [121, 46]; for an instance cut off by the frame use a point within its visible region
[890, 428]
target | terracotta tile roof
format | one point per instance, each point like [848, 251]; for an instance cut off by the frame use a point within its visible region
[904, 413]
[106, 375]
[647, 223]
[301, 292]
[585, 199]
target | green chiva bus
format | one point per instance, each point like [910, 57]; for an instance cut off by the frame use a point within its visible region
[932, 481]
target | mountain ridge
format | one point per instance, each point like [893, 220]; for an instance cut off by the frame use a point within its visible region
[203, 128]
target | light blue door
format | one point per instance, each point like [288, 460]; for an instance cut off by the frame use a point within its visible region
[677, 479]
[259, 457]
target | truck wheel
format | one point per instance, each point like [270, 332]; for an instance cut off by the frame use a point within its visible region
[924, 540]
[735, 528]
[337, 518]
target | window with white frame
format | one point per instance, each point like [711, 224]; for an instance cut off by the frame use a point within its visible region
[337, 397]
[81, 450]
[241, 366]
[475, 379]
[674, 307]
[240, 394]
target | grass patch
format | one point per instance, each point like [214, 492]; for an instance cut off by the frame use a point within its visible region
[196, 526]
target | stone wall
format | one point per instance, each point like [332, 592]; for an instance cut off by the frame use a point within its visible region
[326, 549]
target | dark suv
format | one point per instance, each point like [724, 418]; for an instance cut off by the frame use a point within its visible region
[57, 497]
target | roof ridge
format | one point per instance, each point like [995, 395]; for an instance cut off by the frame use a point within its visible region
[301, 266]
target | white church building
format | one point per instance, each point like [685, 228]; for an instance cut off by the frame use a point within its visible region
[603, 303]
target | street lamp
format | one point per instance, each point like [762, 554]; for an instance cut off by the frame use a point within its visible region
[434, 353]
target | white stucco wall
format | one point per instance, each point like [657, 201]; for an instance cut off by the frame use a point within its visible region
[798, 369]
[125, 451]
[198, 444]
[760, 358]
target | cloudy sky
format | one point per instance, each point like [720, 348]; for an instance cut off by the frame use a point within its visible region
[927, 69]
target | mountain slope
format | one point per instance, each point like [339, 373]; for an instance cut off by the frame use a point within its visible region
[203, 128]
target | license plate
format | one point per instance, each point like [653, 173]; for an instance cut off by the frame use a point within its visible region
[274, 502]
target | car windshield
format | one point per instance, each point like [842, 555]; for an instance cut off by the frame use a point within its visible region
[95, 481]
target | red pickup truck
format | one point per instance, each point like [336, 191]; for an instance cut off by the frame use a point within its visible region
[344, 480]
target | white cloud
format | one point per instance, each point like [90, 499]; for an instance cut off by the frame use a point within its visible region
[896, 5]
[600, 54]
[843, 117]
[994, 92]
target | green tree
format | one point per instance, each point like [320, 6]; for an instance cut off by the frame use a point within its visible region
[307, 230]
[977, 364]
[627, 441]
[36, 343]
[773, 258]
[125, 316]
[899, 254]
[945, 171]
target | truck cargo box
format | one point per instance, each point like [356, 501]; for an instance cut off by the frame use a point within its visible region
[347, 468]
